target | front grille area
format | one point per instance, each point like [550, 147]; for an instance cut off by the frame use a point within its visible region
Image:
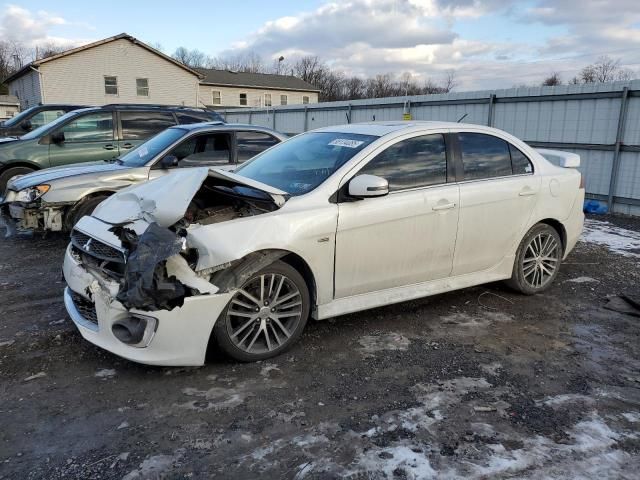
[96, 248]
[85, 307]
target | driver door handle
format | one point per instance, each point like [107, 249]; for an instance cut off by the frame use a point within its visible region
[109, 146]
[443, 206]
[526, 192]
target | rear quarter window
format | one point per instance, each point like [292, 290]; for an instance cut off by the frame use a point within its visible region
[484, 156]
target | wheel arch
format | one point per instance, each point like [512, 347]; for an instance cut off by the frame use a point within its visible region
[558, 227]
[19, 163]
[253, 262]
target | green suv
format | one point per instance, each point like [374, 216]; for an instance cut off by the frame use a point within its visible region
[89, 135]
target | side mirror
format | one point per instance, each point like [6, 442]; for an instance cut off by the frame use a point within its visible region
[26, 125]
[57, 137]
[170, 161]
[363, 186]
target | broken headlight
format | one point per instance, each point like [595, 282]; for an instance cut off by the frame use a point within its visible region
[31, 194]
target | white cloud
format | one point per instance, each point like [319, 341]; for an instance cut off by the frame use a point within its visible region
[17, 24]
[366, 37]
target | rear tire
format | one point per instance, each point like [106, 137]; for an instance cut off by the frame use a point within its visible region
[256, 326]
[12, 172]
[537, 261]
[82, 208]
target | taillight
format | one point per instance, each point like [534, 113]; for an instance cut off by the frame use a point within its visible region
[582, 180]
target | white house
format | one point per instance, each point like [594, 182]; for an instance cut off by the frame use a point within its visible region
[122, 69]
[9, 106]
[223, 88]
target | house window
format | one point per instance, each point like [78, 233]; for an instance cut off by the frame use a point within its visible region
[142, 87]
[283, 99]
[216, 99]
[243, 99]
[267, 99]
[111, 85]
[305, 99]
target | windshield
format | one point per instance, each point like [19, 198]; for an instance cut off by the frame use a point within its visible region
[40, 131]
[18, 118]
[299, 165]
[145, 152]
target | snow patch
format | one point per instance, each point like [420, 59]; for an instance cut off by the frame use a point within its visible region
[583, 280]
[632, 417]
[616, 239]
[154, 466]
[105, 373]
[391, 461]
[387, 341]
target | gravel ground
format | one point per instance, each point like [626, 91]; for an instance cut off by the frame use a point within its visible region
[479, 383]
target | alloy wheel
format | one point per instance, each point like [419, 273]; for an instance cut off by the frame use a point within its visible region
[540, 260]
[264, 313]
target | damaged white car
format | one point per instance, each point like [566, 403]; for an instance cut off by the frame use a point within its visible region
[330, 222]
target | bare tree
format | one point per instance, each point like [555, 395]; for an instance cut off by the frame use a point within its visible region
[47, 50]
[191, 58]
[552, 80]
[450, 81]
[250, 62]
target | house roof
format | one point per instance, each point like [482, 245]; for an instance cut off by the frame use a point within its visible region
[9, 100]
[122, 36]
[252, 80]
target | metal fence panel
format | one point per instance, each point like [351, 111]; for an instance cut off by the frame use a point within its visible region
[595, 121]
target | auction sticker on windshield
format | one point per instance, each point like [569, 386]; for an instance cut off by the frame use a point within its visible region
[142, 151]
[346, 142]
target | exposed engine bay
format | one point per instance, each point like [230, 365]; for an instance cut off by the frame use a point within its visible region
[156, 269]
[218, 203]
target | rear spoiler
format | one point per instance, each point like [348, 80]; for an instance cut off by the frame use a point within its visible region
[560, 158]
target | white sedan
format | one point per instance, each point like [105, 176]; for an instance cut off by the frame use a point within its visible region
[332, 221]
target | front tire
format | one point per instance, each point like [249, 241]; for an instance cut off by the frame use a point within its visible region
[82, 208]
[12, 172]
[537, 260]
[265, 316]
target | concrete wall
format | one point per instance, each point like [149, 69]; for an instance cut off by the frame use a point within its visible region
[79, 78]
[584, 119]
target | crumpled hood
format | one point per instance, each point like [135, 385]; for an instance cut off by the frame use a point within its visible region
[50, 174]
[165, 200]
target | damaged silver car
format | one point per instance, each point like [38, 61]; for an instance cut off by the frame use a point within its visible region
[329, 222]
[54, 199]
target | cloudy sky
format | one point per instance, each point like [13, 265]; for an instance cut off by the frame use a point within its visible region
[489, 43]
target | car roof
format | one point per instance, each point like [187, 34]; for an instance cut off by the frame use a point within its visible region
[382, 128]
[218, 125]
[142, 106]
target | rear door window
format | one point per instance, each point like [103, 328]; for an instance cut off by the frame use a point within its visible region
[142, 125]
[92, 127]
[249, 144]
[415, 162]
[484, 156]
[213, 149]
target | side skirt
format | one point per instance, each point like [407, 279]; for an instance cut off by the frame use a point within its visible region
[364, 301]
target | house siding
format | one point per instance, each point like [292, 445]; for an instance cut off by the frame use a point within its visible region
[79, 78]
[27, 89]
[8, 110]
[230, 96]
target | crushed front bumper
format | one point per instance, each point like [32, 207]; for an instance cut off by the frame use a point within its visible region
[32, 216]
[180, 336]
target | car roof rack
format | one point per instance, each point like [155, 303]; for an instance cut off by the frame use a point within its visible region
[148, 105]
